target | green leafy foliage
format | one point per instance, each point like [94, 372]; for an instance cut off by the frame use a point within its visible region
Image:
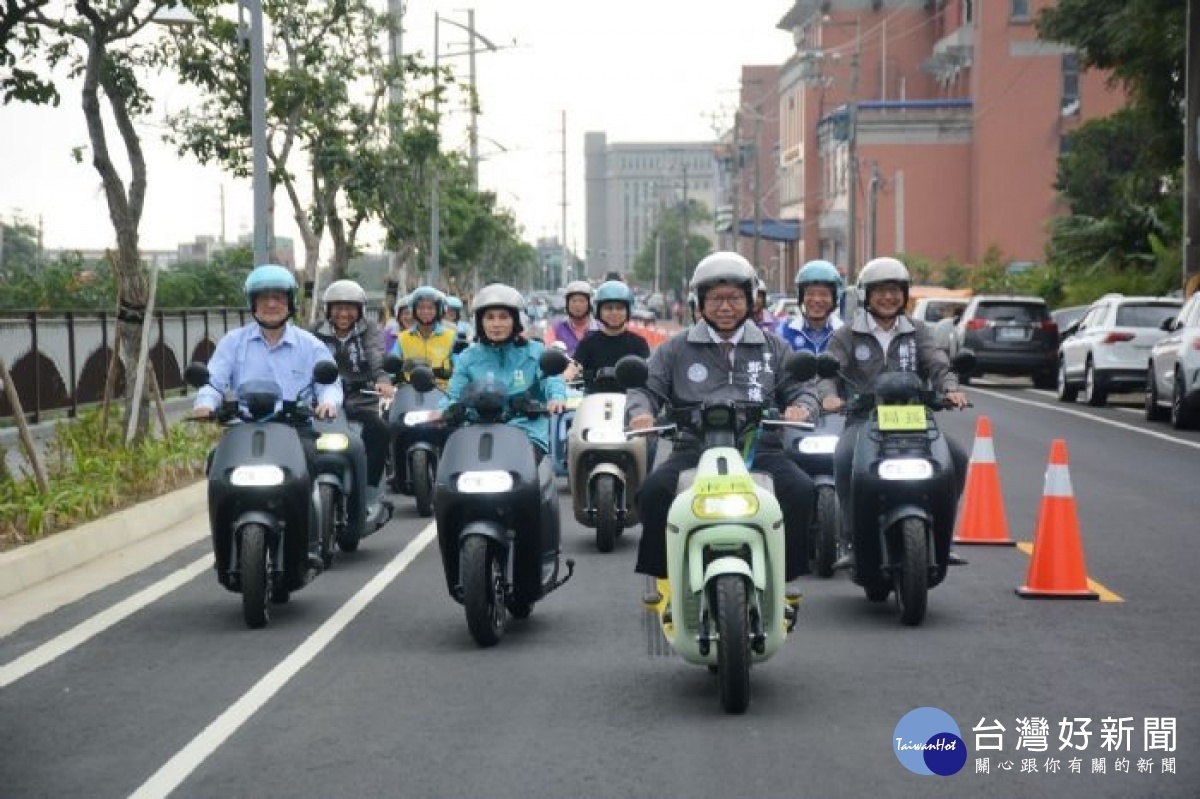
[676, 263]
[92, 473]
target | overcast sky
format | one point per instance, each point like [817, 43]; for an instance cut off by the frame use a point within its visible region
[640, 70]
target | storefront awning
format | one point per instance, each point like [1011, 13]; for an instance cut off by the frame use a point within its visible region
[784, 230]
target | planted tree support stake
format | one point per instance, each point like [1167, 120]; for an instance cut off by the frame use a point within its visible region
[14, 402]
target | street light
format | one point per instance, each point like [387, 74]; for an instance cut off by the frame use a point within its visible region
[263, 233]
[812, 73]
[435, 222]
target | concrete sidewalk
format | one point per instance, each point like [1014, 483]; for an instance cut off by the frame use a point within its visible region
[38, 578]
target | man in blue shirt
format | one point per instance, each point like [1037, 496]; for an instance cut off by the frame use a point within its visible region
[271, 349]
[819, 292]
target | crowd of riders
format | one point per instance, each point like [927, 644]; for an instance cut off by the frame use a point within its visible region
[733, 349]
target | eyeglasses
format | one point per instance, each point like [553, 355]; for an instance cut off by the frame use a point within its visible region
[717, 300]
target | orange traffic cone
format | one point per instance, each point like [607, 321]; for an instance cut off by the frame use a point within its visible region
[982, 520]
[1056, 570]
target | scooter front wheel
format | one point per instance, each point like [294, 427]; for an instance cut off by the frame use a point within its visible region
[482, 575]
[328, 499]
[733, 643]
[604, 500]
[252, 563]
[912, 581]
[422, 482]
[827, 524]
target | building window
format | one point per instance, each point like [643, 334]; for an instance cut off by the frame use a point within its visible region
[1070, 84]
[968, 12]
[1064, 145]
[1018, 10]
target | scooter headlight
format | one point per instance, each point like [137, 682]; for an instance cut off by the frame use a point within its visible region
[333, 442]
[725, 506]
[905, 469]
[818, 445]
[257, 475]
[490, 482]
[604, 435]
[414, 418]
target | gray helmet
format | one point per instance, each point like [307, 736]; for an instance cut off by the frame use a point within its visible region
[578, 287]
[883, 270]
[345, 291]
[401, 304]
[498, 295]
[724, 267]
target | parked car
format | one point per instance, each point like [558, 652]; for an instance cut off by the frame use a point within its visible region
[1173, 374]
[784, 308]
[1011, 335]
[1065, 317]
[1107, 350]
[941, 314]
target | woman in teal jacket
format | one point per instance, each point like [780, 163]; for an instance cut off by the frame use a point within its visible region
[500, 355]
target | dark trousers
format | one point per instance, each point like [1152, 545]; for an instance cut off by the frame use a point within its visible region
[375, 436]
[843, 464]
[793, 489]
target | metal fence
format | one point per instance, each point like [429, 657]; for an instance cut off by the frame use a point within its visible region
[59, 360]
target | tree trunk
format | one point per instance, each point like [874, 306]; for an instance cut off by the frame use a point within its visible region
[124, 208]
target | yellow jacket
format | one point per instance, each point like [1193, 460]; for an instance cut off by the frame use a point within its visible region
[437, 349]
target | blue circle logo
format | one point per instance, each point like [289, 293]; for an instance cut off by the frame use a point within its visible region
[927, 741]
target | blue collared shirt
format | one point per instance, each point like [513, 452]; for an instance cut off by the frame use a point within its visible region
[800, 336]
[243, 354]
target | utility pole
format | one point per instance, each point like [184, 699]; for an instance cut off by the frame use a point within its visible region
[852, 164]
[736, 181]
[396, 54]
[1191, 155]
[872, 210]
[757, 188]
[473, 129]
[683, 253]
[435, 200]
[565, 269]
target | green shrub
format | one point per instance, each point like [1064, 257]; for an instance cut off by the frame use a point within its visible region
[91, 473]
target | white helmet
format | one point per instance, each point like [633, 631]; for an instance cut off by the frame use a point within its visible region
[498, 295]
[401, 304]
[883, 270]
[724, 267]
[345, 291]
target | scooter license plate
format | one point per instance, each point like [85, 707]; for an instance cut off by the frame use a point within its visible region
[902, 418]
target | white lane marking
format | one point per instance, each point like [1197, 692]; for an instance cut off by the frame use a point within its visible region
[177, 769]
[60, 645]
[1089, 416]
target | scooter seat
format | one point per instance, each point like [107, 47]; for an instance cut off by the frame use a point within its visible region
[761, 479]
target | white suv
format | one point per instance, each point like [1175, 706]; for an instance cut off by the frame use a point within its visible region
[1107, 349]
[1174, 371]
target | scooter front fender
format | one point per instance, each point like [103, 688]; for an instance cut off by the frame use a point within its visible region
[896, 515]
[725, 534]
[727, 565]
[493, 531]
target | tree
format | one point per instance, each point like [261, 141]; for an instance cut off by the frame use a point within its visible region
[1122, 174]
[675, 261]
[17, 82]
[18, 249]
[98, 41]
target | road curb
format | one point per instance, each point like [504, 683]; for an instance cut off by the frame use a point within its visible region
[29, 565]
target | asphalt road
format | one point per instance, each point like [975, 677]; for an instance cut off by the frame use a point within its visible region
[368, 684]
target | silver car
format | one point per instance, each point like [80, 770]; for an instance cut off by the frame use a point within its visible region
[1173, 378]
[1106, 350]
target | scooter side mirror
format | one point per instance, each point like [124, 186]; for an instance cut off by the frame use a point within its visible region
[196, 375]
[963, 362]
[828, 366]
[553, 362]
[801, 366]
[632, 372]
[325, 372]
[393, 364]
[422, 379]
[460, 344]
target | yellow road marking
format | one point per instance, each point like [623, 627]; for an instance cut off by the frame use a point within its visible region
[1105, 594]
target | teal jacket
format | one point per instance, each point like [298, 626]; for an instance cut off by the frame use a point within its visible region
[516, 366]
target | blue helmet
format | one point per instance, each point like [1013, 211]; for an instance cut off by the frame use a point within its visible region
[820, 272]
[271, 277]
[614, 291]
[454, 304]
[428, 293]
